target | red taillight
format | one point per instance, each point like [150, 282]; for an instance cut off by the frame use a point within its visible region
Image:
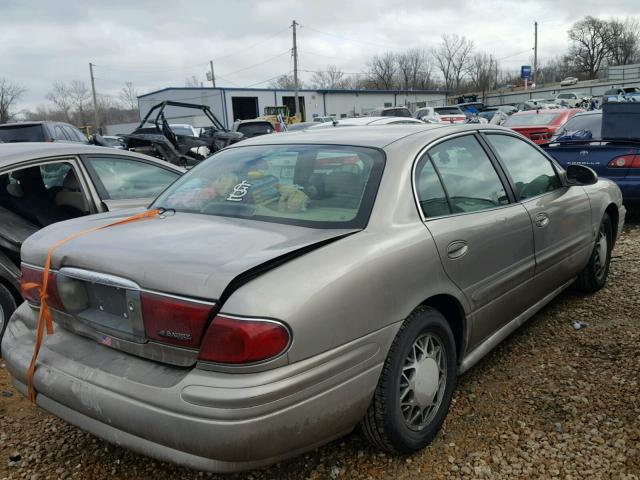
[238, 340]
[625, 161]
[174, 320]
[32, 295]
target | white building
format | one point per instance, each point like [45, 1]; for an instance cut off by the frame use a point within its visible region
[230, 104]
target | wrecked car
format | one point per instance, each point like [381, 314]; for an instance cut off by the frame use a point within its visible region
[42, 183]
[154, 136]
[323, 279]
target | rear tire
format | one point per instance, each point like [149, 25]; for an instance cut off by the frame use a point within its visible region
[416, 385]
[594, 276]
[7, 306]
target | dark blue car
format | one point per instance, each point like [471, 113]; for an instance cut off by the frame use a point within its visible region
[618, 160]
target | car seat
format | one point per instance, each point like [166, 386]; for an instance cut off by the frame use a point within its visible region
[70, 198]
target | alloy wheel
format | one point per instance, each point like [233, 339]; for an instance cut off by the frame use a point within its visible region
[601, 253]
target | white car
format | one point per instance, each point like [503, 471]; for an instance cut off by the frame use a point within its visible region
[568, 81]
[428, 115]
[323, 119]
[360, 121]
[570, 99]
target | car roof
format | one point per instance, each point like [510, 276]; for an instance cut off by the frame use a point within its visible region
[16, 153]
[362, 136]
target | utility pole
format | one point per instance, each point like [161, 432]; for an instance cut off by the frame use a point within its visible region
[295, 70]
[213, 77]
[534, 79]
[95, 103]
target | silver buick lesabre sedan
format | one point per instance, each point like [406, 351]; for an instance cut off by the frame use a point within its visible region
[295, 286]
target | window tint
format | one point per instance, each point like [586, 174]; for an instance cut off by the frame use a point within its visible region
[21, 133]
[319, 186]
[468, 175]
[531, 172]
[129, 179]
[53, 174]
[431, 196]
[58, 134]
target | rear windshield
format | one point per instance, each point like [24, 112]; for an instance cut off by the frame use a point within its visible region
[319, 186]
[591, 122]
[21, 133]
[530, 120]
[255, 128]
[396, 112]
[448, 111]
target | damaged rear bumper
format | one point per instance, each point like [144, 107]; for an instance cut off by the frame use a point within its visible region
[201, 419]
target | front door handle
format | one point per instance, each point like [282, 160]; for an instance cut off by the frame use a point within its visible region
[542, 220]
[457, 249]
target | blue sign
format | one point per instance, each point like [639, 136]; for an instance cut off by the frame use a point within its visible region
[525, 72]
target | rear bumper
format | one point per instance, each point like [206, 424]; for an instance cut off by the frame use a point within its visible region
[205, 420]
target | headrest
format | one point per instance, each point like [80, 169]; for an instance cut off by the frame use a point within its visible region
[71, 182]
[15, 190]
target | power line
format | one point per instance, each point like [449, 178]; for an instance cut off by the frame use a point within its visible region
[260, 63]
[251, 46]
[349, 39]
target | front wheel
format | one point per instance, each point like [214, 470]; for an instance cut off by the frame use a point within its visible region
[416, 385]
[595, 274]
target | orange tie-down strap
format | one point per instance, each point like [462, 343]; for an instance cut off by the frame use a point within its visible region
[44, 318]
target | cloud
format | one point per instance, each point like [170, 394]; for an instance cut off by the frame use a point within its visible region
[159, 43]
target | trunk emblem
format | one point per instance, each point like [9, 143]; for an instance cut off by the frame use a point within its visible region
[175, 335]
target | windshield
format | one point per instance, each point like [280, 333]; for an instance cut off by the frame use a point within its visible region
[319, 186]
[530, 120]
[21, 133]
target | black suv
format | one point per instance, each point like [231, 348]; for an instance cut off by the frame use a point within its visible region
[40, 132]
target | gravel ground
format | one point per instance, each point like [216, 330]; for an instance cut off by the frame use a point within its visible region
[550, 402]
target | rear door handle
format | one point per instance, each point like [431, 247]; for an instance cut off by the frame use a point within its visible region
[542, 220]
[457, 249]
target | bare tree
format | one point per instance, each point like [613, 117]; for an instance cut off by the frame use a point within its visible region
[411, 67]
[285, 82]
[60, 96]
[452, 59]
[10, 93]
[330, 78]
[482, 70]
[79, 96]
[191, 81]
[382, 70]
[625, 41]
[591, 40]
[129, 96]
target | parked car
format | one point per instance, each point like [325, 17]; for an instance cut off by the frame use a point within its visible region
[41, 184]
[391, 112]
[302, 126]
[536, 104]
[451, 114]
[323, 119]
[540, 125]
[507, 109]
[571, 99]
[298, 285]
[621, 94]
[362, 121]
[471, 109]
[253, 128]
[428, 115]
[616, 160]
[568, 81]
[41, 132]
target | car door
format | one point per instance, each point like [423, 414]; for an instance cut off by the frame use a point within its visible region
[561, 215]
[124, 182]
[484, 238]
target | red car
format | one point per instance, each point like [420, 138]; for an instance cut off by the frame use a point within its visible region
[540, 125]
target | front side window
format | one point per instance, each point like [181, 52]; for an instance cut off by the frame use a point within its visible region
[318, 186]
[531, 172]
[126, 179]
[469, 178]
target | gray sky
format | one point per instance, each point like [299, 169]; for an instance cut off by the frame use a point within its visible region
[158, 43]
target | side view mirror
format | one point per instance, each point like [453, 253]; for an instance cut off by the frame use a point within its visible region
[581, 175]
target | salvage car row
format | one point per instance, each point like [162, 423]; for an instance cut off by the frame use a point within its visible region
[289, 287]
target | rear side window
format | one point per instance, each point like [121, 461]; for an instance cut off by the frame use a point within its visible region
[470, 180]
[531, 172]
[433, 201]
[21, 133]
[58, 133]
[125, 179]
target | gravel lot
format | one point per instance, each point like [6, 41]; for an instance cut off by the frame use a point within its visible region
[550, 402]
